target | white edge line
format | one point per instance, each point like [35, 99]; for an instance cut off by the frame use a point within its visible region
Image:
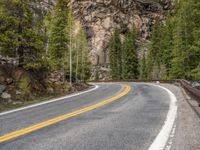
[162, 138]
[49, 101]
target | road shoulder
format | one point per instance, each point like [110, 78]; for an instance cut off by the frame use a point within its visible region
[187, 126]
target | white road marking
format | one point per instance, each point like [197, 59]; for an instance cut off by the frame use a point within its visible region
[50, 101]
[162, 138]
[170, 141]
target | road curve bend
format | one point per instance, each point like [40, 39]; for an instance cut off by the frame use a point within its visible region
[112, 117]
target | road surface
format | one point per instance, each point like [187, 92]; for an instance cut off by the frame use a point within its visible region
[112, 117]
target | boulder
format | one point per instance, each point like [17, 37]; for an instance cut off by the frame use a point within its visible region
[5, 95]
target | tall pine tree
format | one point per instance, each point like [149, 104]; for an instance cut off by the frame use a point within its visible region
[130, 59]
[155, 52]
[194, 55]
[115, 54]
[58, 40]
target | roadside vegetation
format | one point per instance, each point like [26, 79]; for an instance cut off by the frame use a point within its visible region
[44, 49]
[43, 52]
[173, 53]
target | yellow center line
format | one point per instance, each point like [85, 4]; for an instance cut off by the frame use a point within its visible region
[38, 126]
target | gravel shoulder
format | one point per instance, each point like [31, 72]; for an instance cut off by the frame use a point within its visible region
[187, 126]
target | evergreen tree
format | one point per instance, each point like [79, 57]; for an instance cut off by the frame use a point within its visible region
[181, 43]
[155, 52]
[130, 59]
[194, 55]
[167, 45]
[143, 68]
[19, 37]
[178, 68]
[58, 40]
[115, 54]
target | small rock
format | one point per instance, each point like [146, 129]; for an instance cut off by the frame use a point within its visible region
[50, 90]
[9, 101]
[2, 88]
[100, 76]
[5, 95]
[9, 81]
[18, 93]
[17, 103]
[2, 79]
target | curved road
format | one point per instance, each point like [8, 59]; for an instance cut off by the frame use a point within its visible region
[131, 122]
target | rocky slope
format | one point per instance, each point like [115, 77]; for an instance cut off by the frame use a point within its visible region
[101, 17]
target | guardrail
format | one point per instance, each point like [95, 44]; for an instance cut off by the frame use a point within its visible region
[193, 92]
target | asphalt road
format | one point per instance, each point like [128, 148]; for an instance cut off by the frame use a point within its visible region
[130, 123]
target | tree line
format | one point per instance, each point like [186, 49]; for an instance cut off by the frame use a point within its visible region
[173, 52]
[45, 40]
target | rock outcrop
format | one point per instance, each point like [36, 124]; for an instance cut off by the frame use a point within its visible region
[101, 17]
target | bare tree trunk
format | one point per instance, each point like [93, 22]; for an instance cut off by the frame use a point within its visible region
[70, 47]
[77, 61]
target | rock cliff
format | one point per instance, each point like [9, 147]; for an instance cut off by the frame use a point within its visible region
[101, 17]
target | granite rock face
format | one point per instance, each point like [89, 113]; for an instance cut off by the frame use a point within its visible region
[101, 17]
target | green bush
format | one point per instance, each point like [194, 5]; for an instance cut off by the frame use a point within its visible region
[24, 86]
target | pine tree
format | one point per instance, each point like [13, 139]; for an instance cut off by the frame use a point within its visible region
[194, 55]
[58, 40]
[178, 68]
[167, 44]
[182, 40]
[115, 54]
[155, 52]
[130, 59]
[19, 37]
[143, 68]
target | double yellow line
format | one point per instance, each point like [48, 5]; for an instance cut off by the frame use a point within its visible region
[38, 126]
